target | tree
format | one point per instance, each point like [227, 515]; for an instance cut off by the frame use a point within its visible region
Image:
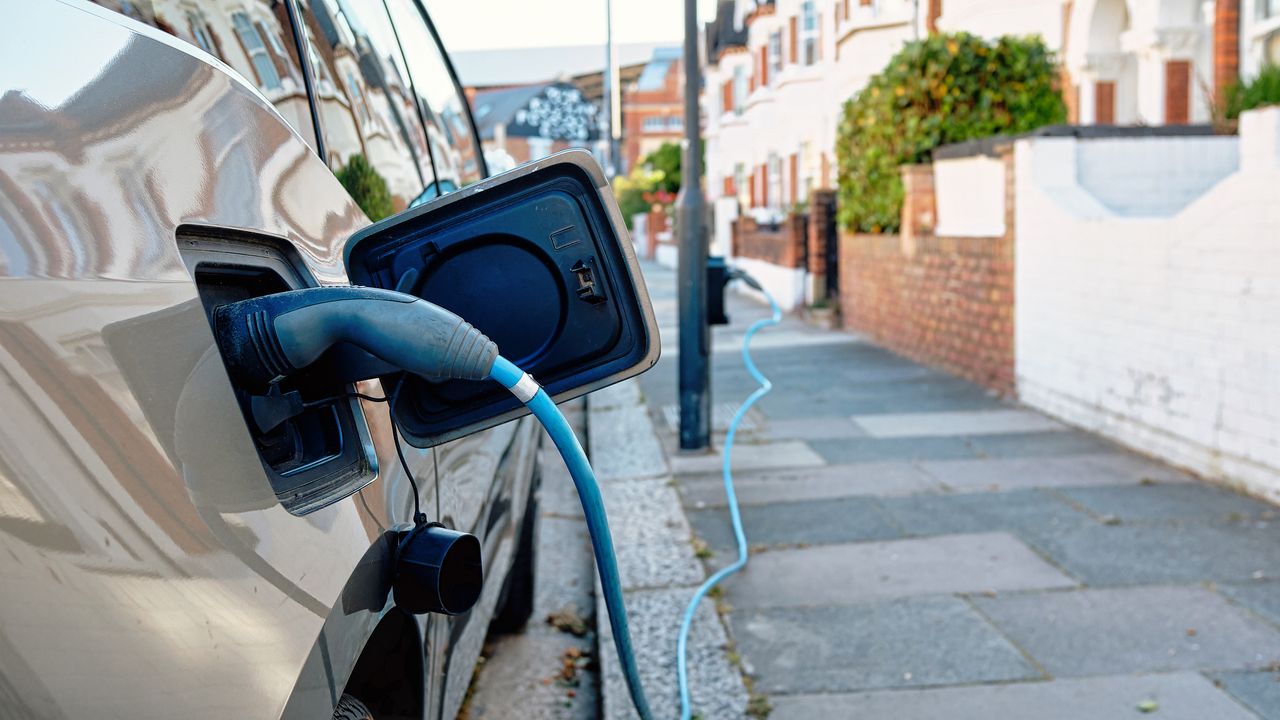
[666, 160]
[939, 90]
[366, 187]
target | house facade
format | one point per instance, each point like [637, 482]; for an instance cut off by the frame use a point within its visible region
[777, 73]
[653, 106]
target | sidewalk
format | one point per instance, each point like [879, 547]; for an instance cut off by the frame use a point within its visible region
[924, 550]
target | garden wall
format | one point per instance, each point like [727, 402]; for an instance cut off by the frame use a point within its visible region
[945, 301]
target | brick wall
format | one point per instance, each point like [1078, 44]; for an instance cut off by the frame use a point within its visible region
[943, 301]
[783, 245]
[1157, 331]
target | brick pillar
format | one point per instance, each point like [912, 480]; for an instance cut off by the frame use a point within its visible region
[931, 19]
[822, 220]
[656, 223]
[1226, 49]
[918, 204]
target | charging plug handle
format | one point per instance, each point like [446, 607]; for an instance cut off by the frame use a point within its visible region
[267, 338]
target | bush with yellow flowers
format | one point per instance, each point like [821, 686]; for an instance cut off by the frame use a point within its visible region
[943, 89]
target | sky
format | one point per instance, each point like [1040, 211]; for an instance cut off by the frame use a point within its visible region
[491, 24]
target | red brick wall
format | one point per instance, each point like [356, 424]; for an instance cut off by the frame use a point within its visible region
[943, 301]
[784, 245]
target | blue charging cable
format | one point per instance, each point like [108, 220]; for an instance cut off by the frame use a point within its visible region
[735, 516]
[536, 399]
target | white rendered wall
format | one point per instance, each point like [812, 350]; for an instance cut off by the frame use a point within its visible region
[970, 196]
[1154, 175]
[1160, 332]
[786, 285]
[993, 19]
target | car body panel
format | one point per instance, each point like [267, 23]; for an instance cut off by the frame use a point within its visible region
[122, 596]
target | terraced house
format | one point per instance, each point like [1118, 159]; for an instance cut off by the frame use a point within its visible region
[777, 74]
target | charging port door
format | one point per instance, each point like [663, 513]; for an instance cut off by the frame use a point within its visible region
[536, 258]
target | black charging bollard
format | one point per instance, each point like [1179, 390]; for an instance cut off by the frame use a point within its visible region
[437, 570]
[717, 281]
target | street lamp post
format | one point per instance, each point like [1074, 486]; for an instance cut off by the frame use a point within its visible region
[613, 92]
[695, 370]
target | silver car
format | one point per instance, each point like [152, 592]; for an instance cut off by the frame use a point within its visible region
[160, 557]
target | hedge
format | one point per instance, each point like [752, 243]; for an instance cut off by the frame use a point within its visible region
[1262, 90]
[943, 89]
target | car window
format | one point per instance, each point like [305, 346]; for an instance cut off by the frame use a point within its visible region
[252, 36]
[443, 107]
[373, 136]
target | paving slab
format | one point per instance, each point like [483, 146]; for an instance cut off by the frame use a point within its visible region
[715, 686]
[942, 424]
[1162, 553]
[910, 642]
[721, 415]
[992, 474]
[1179, 696]
[885, 479]
[623, 446]
[1039, 444]
[1033, 511]
[786, 454]
[625, 394]
[1168, 502]
[812, 428]
[646, 511]
[564, 570]
[858, 572]
[1258, 691]
[557, 495]
[521, 680]
[813, 522]
[1129, 630]
[860, 450]
[1260, 596]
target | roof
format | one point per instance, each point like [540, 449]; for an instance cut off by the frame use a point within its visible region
[555, 110]
[722, 32]
[654, 75]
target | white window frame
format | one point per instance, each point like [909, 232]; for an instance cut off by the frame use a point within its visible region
[775, 55]
[256, 48]
[808, 32]
[739, 88]
[774, 177]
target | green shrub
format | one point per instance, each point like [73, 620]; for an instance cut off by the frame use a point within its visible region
[943, 89]
[666, 160]
[1261, 90]
[366, 187]
[635, 192]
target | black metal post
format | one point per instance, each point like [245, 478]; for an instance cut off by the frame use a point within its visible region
[695, 370]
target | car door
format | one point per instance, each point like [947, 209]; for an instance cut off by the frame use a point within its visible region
[392, 116]
[162, 557]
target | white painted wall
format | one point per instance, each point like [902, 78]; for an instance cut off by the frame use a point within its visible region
[1160, 332]
[786, 285]
[992, 19]
[970, 196]
[1154, 175]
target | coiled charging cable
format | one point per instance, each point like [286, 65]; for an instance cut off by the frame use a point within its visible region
[735, 516]
[584, 478]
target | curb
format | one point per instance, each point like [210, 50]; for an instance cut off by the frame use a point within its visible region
[660, 570]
